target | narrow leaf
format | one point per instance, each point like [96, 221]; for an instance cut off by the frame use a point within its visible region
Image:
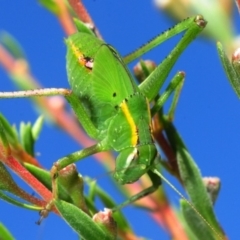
[8, 184]
[15, 202]
[229, 69]
[9, 130]
[198, 226]
[26, 138]
[81, 222]
[44, 177]
[12, 46]
[4, 233]
[192, 179]
[96, 191]
[51, 6]
[37, 127]
[5, 150]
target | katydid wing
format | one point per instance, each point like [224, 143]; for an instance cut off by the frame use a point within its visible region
[114, 103]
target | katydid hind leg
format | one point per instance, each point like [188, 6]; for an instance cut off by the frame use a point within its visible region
[150, 87]
[171, 32]
[156, 182]
[174, 86]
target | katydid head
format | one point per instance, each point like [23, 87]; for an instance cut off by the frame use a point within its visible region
[133, 162]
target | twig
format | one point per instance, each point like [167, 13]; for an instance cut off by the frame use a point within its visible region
[83, 15]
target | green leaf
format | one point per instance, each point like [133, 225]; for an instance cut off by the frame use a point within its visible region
[198, 226]
[95, 190]
[44, 177]
[184, 223]
[5, 234]
[7, 184]
[26, 137]
[8, 129]
[5, 149]
[193, 183]
[51, 5]
[6, 181]
[232, 75]
[192, 179]
[81, 222]
[12, 45]
[15, 202]
[37, 127]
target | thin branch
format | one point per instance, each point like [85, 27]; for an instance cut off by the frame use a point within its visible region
[65, 18]
[83, 15]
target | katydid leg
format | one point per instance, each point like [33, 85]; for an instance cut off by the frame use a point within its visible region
[150, 87]
[72, 158]
[156, 182]
[45, 92]
[178, 28]
[63, 162]
[175, 100]
[173, 85]
[70, 97]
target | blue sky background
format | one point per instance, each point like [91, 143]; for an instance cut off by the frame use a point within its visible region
[207, 115]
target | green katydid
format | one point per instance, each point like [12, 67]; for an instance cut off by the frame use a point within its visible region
[111, 107]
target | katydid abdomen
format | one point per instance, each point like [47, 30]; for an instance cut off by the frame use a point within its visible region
[130, 134]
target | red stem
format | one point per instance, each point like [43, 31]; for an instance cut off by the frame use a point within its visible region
[23, 173]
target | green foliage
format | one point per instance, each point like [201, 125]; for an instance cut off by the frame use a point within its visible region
[117, 112]
[4, 233]
[231, 69]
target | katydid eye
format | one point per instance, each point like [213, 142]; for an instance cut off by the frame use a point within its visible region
[88, 62]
